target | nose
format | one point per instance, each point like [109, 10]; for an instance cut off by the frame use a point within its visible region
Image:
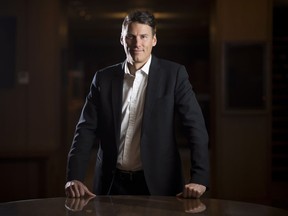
[137, 41]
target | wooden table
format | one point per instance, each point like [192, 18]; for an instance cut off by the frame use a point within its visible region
[134, 205]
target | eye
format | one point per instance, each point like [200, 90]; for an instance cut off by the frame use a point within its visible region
[144, 36]
[129, 36]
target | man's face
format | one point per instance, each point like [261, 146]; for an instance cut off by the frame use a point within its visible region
[138, 41]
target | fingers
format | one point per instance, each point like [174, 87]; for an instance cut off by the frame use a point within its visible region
[89, 193]
[192, 191]
[72, 189]
[77, 189]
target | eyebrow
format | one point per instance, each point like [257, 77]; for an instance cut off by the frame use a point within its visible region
[145, 34]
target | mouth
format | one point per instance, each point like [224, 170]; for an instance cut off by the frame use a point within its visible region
[136, 51]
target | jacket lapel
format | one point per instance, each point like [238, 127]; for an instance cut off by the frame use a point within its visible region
[152, 86]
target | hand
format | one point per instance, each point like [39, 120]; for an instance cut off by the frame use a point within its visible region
[76, 204]
[76, 188]
[192, 190]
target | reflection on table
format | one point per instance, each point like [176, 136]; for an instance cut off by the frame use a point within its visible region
[134, 206]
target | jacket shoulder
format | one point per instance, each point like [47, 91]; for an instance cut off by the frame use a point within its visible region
[167, 68]
[167, 64]
[111, 68]
[107, 73]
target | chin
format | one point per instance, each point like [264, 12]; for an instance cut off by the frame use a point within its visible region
[136, 60]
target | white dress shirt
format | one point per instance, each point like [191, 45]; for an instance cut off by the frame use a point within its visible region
[134, 89]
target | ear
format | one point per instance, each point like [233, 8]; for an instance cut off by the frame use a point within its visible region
[121, 40]
[154, 40]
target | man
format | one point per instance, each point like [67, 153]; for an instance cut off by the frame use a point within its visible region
[131, 110]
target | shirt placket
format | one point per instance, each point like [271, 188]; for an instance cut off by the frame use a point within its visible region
[133, 103]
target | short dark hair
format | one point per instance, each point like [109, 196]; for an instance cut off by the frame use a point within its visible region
[143, 17]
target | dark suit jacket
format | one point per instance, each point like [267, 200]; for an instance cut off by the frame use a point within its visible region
[168, 90]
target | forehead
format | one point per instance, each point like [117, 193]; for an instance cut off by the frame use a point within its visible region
[139, 28]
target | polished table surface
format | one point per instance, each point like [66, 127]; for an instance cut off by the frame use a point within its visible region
[134, 205]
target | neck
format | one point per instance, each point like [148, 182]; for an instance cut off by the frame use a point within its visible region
[134, 67]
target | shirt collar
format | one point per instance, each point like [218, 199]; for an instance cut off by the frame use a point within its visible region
[145, 67]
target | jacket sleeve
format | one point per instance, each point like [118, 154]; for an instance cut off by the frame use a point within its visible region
[194, 127]
[85, 137]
